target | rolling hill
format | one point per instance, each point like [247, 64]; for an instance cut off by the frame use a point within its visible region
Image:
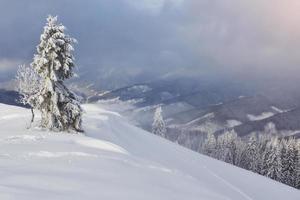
[115, 160]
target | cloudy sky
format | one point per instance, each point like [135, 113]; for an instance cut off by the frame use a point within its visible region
[122, 41]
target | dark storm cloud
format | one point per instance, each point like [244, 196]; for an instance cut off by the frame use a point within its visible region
[121, 41]
[115, 37]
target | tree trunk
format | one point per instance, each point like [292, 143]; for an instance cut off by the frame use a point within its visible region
[32, 115]
[32, 118]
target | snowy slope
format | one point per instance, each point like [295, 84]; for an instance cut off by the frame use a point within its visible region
[115, 160]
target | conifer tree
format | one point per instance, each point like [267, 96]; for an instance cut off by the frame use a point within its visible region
[250, 157]
[210, 145]
[273, 160]
[270, 129]
[295, 174]
[289, 162]
[230, 148]
[229, 139]
[158, 126]
[297, 182]
[262, 151]
[54, 63]
[222, 150]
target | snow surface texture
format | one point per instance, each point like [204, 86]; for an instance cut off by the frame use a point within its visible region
[232, 123]
[262, 116]
[116, 160]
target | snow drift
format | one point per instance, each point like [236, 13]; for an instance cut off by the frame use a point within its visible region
[115, 160]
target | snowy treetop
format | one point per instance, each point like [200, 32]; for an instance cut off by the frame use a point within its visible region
[54, 53]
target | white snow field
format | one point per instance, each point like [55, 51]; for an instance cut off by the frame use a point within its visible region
[115, 160]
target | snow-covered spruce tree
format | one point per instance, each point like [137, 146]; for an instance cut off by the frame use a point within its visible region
[240, 151]
[285, 160]
[158, 126]
[273, 160]
[28, 83]
[298, 165]
[289, 159]
[221, 147]
[250, 156]
[54, 63]
[295, 153]
[230, 148]
[263, 140]
[270, 129]
[210, 145]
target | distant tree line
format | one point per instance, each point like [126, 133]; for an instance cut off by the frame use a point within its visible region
[265, 154]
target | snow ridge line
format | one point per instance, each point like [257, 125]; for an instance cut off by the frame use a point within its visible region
[228, 184]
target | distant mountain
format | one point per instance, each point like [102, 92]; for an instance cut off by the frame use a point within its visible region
[287, 123]
[252, 110]
[196, 93]
[176, 96]
[10, 97]
[192, 109]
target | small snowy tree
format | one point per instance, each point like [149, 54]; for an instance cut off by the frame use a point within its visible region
[229, 147]
[250, 156]
[273, 160]
[289, 157]
[158, 126]
[54, 63]
[210, 145]
[263, 140]
[297, 182]
[270, 129]
[221, 147]
[28, 86]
